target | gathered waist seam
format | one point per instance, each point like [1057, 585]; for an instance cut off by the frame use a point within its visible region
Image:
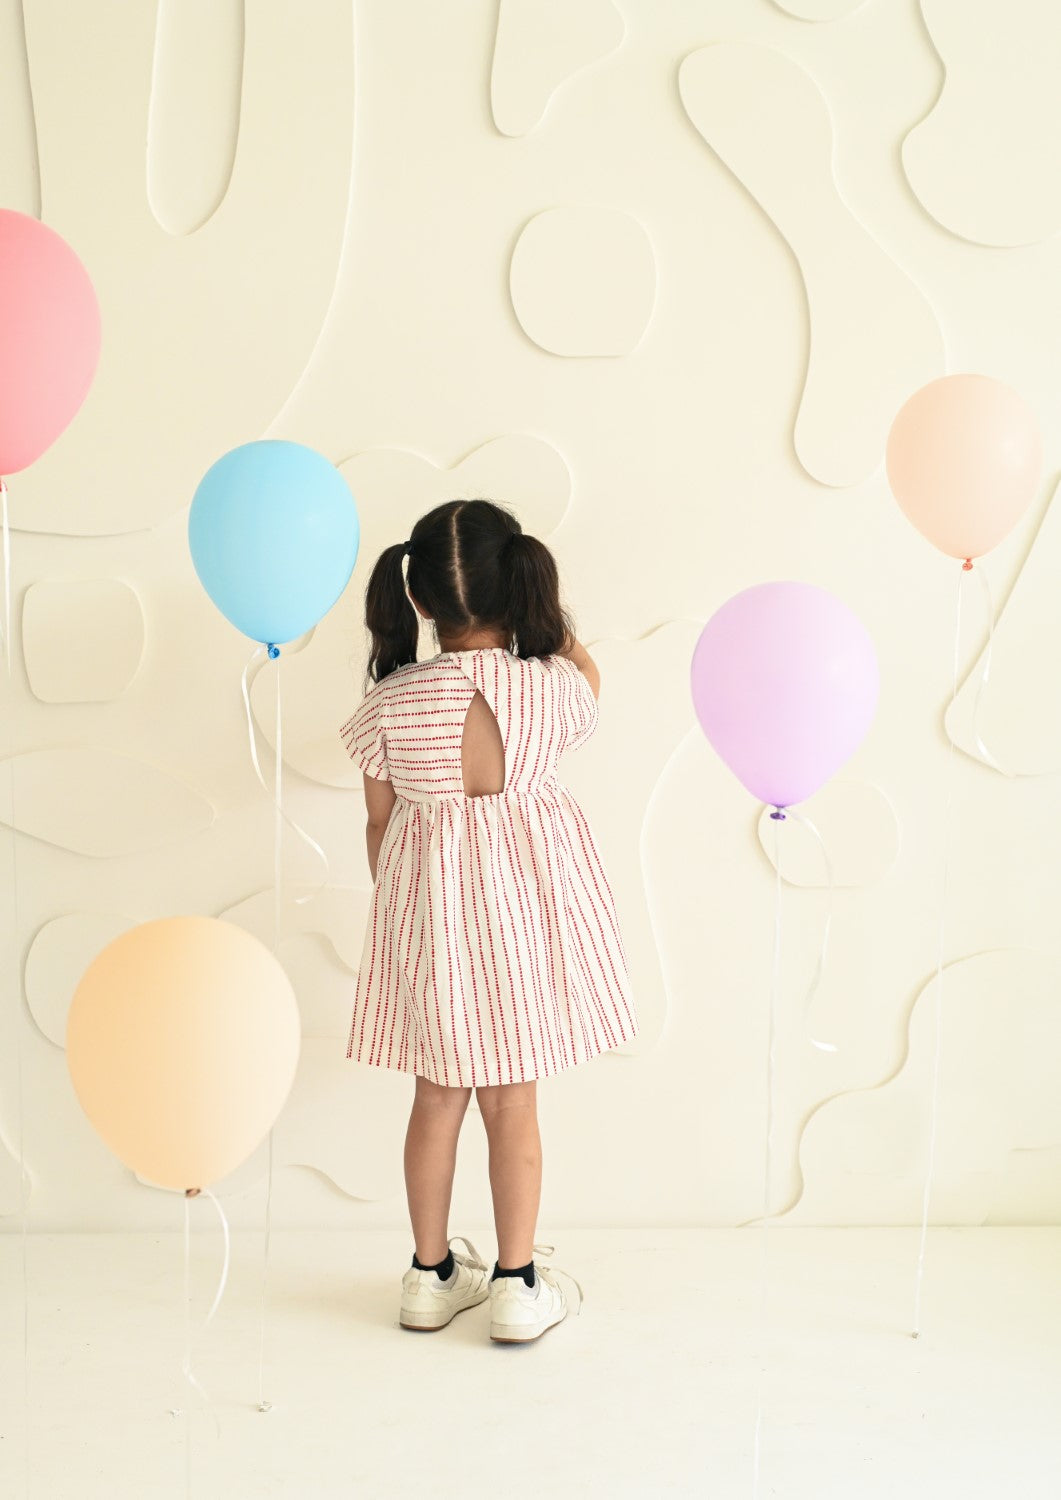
[510, 792]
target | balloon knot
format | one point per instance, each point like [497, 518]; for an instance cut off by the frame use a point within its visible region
[274, 651]
[192, 1192]
[967, 565]
[777, 815]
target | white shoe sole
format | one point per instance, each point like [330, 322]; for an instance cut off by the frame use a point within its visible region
[431, 1322]
[523, 1333]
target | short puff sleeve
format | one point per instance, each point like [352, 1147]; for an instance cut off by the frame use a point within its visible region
[364, 738]
[578, 705]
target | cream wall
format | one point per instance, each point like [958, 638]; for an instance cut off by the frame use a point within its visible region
[658, 274]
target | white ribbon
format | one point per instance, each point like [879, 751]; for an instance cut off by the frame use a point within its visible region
[823, 951]
[281, 818]
[280, 813]
[7, 575]
[263, 1404]
[186, 1363]
[775, 990]
[984, 676]
[20, 1089]
[941, 949]
[779, 816]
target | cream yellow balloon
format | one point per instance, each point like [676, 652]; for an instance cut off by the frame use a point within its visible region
[182, 1043]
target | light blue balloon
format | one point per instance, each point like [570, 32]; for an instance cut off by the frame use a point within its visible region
[274, 533]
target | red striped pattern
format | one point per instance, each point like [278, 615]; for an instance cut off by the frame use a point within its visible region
[492, 953]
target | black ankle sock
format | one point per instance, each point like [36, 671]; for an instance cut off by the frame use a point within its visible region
[527, 1272]
[444, 1269]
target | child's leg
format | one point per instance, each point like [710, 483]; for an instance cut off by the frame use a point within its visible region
[430, 1159]
[510, 1114]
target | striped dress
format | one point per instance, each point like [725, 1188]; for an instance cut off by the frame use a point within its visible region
[492, 952]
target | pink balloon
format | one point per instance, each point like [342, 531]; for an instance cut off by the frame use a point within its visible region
[49, 338]
[964, 457]
[785, 684]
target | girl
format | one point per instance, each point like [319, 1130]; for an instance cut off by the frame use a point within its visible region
[492, 955]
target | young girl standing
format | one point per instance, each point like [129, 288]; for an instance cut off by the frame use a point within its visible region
[492, 954]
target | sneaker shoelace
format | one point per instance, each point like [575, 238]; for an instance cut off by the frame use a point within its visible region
[558, 1270]
[473, 1258]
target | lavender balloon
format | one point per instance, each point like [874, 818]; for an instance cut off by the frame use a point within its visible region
[785, 684]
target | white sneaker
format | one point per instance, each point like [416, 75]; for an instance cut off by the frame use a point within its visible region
[429, 1303]
[520, 1313]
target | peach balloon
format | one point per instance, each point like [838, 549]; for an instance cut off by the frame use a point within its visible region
[182, 1043]
[964, 457]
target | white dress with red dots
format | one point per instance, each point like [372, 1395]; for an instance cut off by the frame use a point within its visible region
[492, 952]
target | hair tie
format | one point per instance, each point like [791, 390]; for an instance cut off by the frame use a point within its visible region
[407, 549]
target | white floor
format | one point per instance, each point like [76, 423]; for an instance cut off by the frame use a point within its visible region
[651, 1391]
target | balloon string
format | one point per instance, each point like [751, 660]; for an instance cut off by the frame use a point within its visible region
[263, 1404]
[6, 573]
[227, 1259]
[938, 1016]
[20, 1109]
[16, 928]
[984, 677]
[278, 832]
[278, 820]
[309, 895]
[823, 951]
[186, 1362]
[775, 989]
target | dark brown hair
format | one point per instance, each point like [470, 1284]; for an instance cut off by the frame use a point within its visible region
[472, 567]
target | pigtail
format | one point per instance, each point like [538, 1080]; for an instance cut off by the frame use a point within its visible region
[534, 614]
[389, 615]
[471, 566]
